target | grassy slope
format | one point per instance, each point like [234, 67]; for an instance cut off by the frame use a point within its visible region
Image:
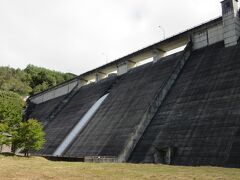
[39, 168]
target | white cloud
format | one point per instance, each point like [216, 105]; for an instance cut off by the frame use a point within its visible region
[72, 35]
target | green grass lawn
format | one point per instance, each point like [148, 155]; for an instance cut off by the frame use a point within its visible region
[40, 168]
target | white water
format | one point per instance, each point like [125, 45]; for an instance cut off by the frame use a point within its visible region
[78, 128]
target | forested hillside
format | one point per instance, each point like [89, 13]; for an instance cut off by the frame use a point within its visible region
[14, 85]
[31, 80]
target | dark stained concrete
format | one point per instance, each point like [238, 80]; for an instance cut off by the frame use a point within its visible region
[201, 116]
[64, 122]
[113, 124]
[198, 122]
[43, 110]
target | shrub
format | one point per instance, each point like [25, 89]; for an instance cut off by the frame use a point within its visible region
[29, 136]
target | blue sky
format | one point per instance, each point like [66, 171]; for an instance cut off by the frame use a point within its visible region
[79, 35]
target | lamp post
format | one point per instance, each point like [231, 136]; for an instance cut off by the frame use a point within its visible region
[163, 30]
[106, 57]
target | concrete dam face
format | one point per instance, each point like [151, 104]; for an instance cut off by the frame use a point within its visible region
[180, 109]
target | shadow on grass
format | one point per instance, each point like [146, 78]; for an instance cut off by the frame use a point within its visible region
[10, 154]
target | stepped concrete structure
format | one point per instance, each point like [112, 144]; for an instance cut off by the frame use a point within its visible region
[182, 108]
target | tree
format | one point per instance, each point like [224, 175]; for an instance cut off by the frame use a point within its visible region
[14, 80]
[40, 87]
[31, 80]
[11, 106]
[5, 138]
[29, 136]
[41, 79]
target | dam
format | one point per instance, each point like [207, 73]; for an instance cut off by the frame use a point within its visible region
[181, 108]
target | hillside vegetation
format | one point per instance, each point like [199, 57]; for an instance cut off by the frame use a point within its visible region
[14, 85]
[30, 80]
[11, 106]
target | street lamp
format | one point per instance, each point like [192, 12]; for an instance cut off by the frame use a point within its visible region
[163, 30]
[106, 57]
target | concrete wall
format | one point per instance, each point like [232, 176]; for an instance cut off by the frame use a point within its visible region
[158, 54]
[231, 24]
[230, 36]
[53, 93]
[100, 76]
[124, 67]
[100, 159]
[200, 39]
[5, 149]
[208, 36]
[215, 34]
[227, 30]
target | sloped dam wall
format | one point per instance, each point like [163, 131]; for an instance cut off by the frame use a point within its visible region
[194, 121]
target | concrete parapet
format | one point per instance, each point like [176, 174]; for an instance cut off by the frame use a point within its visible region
[54, 92]
[208, 36]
